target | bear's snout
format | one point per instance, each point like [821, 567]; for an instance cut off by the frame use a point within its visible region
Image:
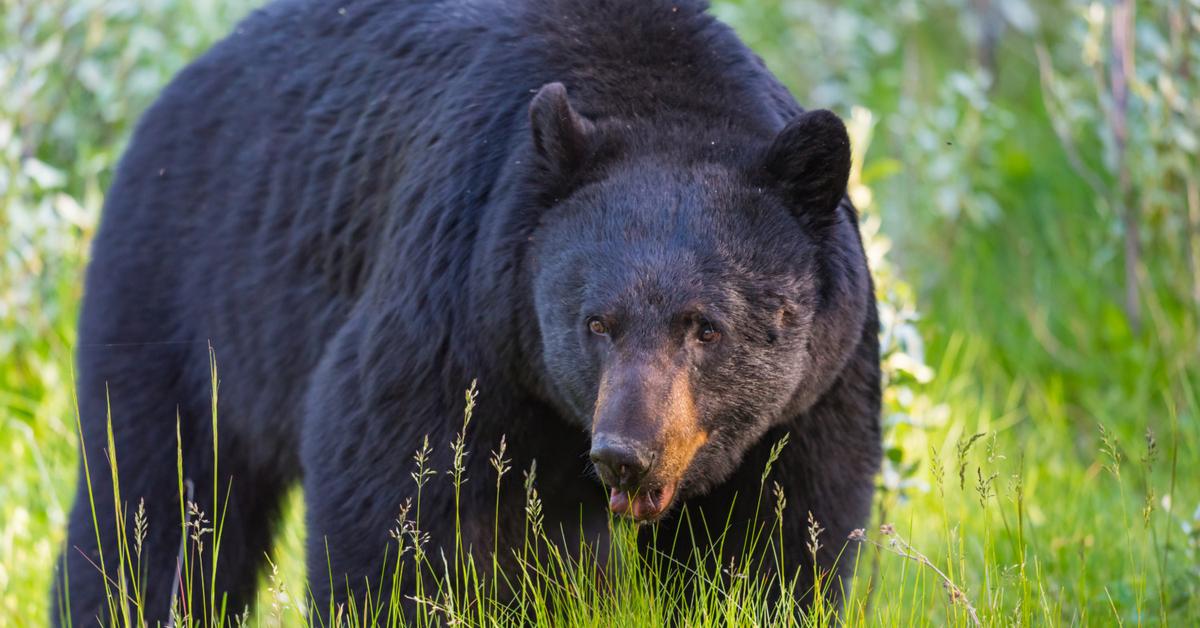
[645, 433]
[621, 463]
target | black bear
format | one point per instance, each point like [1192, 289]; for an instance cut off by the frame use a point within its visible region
[608, 212]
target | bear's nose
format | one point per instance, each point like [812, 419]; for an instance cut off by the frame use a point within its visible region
[621, 464]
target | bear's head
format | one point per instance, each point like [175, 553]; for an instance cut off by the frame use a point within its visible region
[691, 292]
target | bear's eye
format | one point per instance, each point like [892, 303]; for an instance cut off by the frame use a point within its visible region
[597, 326]
[707, 332]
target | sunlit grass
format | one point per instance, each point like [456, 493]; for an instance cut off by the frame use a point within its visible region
[554, 583]
[996, 541]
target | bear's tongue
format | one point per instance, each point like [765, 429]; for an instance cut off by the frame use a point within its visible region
[643, 505]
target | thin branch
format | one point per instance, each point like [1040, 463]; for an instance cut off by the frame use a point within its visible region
[1119, 72]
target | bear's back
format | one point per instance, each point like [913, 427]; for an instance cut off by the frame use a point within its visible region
[325, 150]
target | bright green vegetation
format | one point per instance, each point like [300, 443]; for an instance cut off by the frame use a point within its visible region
[1043, 415]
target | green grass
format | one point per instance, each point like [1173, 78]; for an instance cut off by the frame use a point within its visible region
[997, 539]
[999, 267]
[553, 584]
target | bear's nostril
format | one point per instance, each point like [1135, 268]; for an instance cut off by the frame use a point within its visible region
[620, 465]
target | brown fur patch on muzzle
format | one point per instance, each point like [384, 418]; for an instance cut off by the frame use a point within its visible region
[682, 434]
[646, 404]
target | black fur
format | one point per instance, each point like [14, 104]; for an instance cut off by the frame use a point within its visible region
[350, 202]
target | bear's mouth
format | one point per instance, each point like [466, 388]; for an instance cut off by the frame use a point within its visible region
[643, 504]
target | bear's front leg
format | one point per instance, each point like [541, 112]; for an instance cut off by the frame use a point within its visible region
[370, 495]
[374, 512]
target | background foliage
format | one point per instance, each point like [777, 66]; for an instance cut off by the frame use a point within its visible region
[1029, 179]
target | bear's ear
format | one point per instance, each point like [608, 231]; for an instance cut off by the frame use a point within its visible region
[810, 159]
[561, 137]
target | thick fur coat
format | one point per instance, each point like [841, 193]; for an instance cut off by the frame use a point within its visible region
[608, 212]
